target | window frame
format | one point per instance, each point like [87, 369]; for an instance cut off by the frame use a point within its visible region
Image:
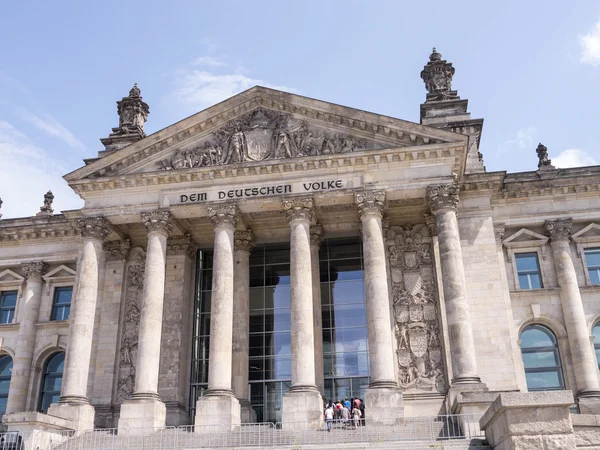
[583, 242]
[536, 243]
[555, 349]
[6, 355]
[44, 374]
[53, 297]
[528, 273]
[14, 317]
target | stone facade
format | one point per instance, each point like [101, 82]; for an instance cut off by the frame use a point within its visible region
[440, 239]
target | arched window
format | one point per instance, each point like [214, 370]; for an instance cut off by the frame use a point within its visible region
[6, 365]
[596, 334]
[541, 359]
[52, 381]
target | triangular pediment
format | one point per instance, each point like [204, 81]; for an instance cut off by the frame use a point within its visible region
[525, 237]
[590, 233]
[61, 271]
[263, 124]
[8, 276]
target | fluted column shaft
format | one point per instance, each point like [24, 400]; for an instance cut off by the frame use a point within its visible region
[158, 224]
[243, 244]
[300, 214]
[585, 368]
[30, 307]
[221, 314]
[316, 232]
[443, 202]
[83, 311]
[370, 208]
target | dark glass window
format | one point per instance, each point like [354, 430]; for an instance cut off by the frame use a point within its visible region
[52, 381]
[8, 302]
[61, 307]
[596, 334]
[6, 365]
[592, 260]
[541, 359]
[528, 270]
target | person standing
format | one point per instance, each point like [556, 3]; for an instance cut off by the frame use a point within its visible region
[329, 416]
[356, 416]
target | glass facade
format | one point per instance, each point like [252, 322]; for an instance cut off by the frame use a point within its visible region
[345, 349]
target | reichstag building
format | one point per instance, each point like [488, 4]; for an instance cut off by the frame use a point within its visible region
[274, 251]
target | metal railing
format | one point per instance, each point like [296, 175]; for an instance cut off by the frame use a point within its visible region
[261, 435]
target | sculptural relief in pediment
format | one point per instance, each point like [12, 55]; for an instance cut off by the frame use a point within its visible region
[263, 135]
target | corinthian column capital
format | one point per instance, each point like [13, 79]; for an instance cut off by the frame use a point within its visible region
[94, 227]
[443, 197]
[299, 208]
[431, 224]
[34, 269]
[243, 240]
[117, 250]
[370, 203]
[316, 235]
[224, 215]
[161, 221]
[559, 230]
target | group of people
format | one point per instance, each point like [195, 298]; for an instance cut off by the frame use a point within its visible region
[347, 412]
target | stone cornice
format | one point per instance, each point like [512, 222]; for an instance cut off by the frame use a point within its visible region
[243, 240]
[161, 221]
[299, 208]
[14, 230]
[370, 203]
[559, 230]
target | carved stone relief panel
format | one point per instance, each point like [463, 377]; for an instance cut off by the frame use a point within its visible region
[262, 135]
[130, 326]
[416, 314]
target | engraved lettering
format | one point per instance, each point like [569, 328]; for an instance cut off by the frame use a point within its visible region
[183, 198]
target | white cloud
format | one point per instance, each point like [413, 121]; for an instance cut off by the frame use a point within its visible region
[208, 61]
[201, 89]
[524, 139]
[52, 127]
[590, 46]
[573, 157]
[27, 173]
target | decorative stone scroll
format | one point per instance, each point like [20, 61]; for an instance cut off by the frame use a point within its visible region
[417, 326]
[158, 221]
[298, 208]
[131, 324]
[262, 135]
[224, 215]
[370, 203]
[442, 197]
[559, 230]
[117, 250]
[243, 240]
[34, 269]
[94, 227]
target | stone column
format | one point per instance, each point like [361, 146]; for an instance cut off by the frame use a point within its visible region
[145, 408]
[383, 397]
[219, 406]
[30, 306]
[243, 243]
[302, 403]
[443, 202]
[74, 404]
[316, 232]
[584, 364]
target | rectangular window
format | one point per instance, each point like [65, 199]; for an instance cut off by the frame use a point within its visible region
[8, 302]
[592, 261]
[62, 303]
[528, 270]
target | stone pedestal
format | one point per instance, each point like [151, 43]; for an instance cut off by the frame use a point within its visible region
[214, 411]
[142, 414]
[302, 410]
[49, 430]
[247, 413]
[530, 420]
[80, 415]
[383, 405]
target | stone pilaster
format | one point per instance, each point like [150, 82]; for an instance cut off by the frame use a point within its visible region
[74, 404]
[30, 306]
[303, 402]
[443, 202]
[316, 234]
[243, 243]
[383, 398]
[145, 409]
[585, 368]
[219, 406]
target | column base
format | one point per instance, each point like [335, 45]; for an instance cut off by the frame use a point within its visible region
[247, 413]
[80, 414]
[142, 413]
[302, 409]
[589, 402]
[214, 410]
[383, 405]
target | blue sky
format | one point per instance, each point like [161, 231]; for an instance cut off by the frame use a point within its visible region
[531, 69]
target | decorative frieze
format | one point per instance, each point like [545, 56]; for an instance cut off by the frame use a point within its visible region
[224, 215]
[161, 221]
[416, 316]
[243, 240]
[34, 269]
[94, 227]
[559, 230]
[316, 234]
[443, 197]
[299, 208]
[370, 203]
[117, 250]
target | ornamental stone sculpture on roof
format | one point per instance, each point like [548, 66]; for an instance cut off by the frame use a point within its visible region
[262, 135]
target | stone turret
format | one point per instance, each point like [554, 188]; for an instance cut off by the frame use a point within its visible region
[133, 113]
[443, 108]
